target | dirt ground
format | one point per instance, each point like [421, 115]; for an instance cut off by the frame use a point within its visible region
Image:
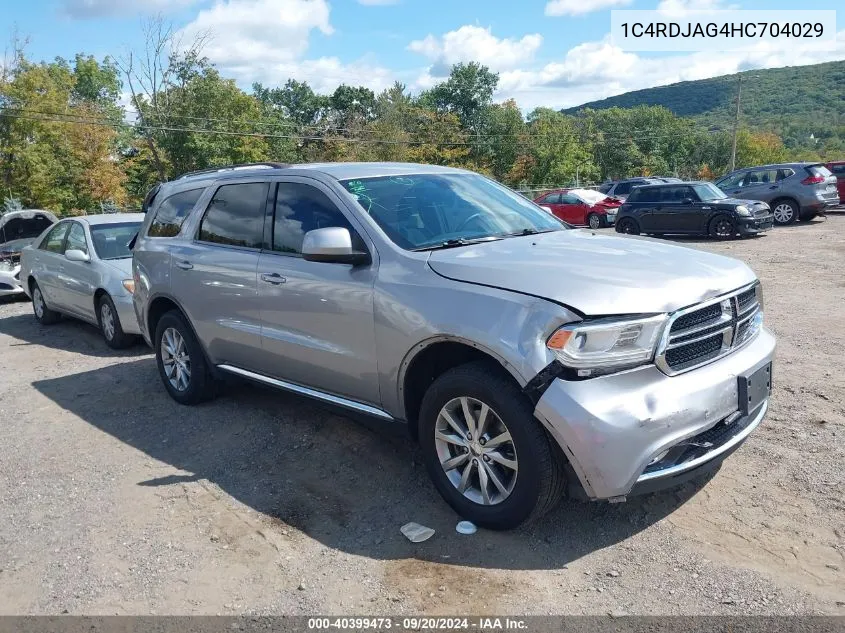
[115, 500]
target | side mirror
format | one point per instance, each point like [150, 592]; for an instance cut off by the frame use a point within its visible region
[686, 201]
[332, 245]
[76, 255]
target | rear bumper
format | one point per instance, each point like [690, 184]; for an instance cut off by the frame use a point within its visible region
[616, 430]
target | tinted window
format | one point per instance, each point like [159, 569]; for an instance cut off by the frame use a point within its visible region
[54, 240]
[839, 170]
[734, 180]
[111, 241]
[674, 194]
[172, 213]
[761, 176]
[552, 198]
[819, 170]
[235, 216]
[76, 238]
[299, 209]
[786, 172]
[647, 194]
[622, 188]
[568, 198]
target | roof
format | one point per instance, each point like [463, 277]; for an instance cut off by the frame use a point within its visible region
[777, 165]
[653, 185]
[339, 171]
[110, 218]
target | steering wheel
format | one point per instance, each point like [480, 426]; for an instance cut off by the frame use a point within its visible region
[468, 220]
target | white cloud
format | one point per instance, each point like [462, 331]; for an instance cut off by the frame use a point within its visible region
[475, 43]
[596, 70]
[580, 7]
[267, 41]
[82, 9]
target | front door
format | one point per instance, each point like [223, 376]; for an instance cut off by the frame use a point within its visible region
[317, 321]
[572, 210]
[214, 275]
[676, 212]
[78, 279]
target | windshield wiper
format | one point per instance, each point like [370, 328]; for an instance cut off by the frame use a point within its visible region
[455, 242]
[529, 231]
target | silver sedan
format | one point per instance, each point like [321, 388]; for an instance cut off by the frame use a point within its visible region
[82, 268]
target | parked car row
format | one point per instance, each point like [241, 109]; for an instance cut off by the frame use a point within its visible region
[437, 300]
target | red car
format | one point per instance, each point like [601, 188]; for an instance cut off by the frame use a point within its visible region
[581, 207]
[837, 167]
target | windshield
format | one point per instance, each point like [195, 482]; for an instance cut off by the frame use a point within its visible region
[708, 191]
[111, 241]
[419, 211]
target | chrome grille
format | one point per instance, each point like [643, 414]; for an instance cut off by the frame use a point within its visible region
[702, 333]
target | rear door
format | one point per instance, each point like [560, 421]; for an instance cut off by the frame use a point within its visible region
[317, 320]
[214, 274]
[760, 184]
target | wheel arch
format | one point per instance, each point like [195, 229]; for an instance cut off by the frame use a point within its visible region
[432, 357]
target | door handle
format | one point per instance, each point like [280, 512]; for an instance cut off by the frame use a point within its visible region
[184, 265]
[273, 278]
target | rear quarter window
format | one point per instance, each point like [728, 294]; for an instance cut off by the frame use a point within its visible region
[172, 212]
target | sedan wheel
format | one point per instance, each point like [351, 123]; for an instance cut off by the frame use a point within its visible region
[594, 221]
[175, 359]
[107, 321]
[38, 303]
[43, 314]
[476, 451]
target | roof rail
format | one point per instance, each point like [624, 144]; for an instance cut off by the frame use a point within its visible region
[214, 170]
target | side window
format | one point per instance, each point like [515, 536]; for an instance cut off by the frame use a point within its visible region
[566, 198]
[644, 194]
[622, 188]
[302, 208]
[784, 173]
[762, 177]
[732, 181]
[235, 216]
[673, 194]
[172, 213]
[54, 240]
[689, 192]
[76, 238]
[552, 198]
[839, 170]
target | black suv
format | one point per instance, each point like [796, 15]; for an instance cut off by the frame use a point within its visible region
[692, 208]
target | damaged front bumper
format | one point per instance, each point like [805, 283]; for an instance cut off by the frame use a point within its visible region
[641, 430]
[10, 283]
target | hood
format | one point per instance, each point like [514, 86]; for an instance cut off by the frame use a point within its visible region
[14, 246]
[26, 224]
[596, 274]
[124, 266]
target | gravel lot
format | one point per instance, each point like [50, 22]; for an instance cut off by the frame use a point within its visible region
[115, 500]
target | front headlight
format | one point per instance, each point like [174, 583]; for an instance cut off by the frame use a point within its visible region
[601, 346]
[743, 210]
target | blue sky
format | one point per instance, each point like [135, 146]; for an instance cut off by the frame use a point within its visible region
[548, 52]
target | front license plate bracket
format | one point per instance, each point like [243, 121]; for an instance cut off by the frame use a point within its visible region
[754, 388]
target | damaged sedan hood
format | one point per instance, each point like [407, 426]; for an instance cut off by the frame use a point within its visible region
[596, 274]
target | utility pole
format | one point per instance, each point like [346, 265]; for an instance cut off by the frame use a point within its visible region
[736, 122]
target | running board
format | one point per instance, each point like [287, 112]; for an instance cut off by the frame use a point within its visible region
[311, 393]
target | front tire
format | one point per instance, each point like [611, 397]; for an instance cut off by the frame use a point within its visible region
[43, 314]
[722, 228]
[785, 212]
[181, 361]
[487, 455]
[595, 221]
[110, 326]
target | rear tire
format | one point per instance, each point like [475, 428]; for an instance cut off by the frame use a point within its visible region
[524, 464]
[181, 361]
[43, 314]
[595, 221]
[627, 226]
[785, 211]
[722, 228]
[110, 325]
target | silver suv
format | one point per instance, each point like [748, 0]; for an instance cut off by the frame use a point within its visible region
[794, 191]
[528, 359]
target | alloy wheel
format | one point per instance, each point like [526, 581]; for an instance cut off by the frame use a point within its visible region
[724, 228]
[107, 321]
[595, 221]
[38, 302]
[783, 213]
[476, 451]
[175, 359]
